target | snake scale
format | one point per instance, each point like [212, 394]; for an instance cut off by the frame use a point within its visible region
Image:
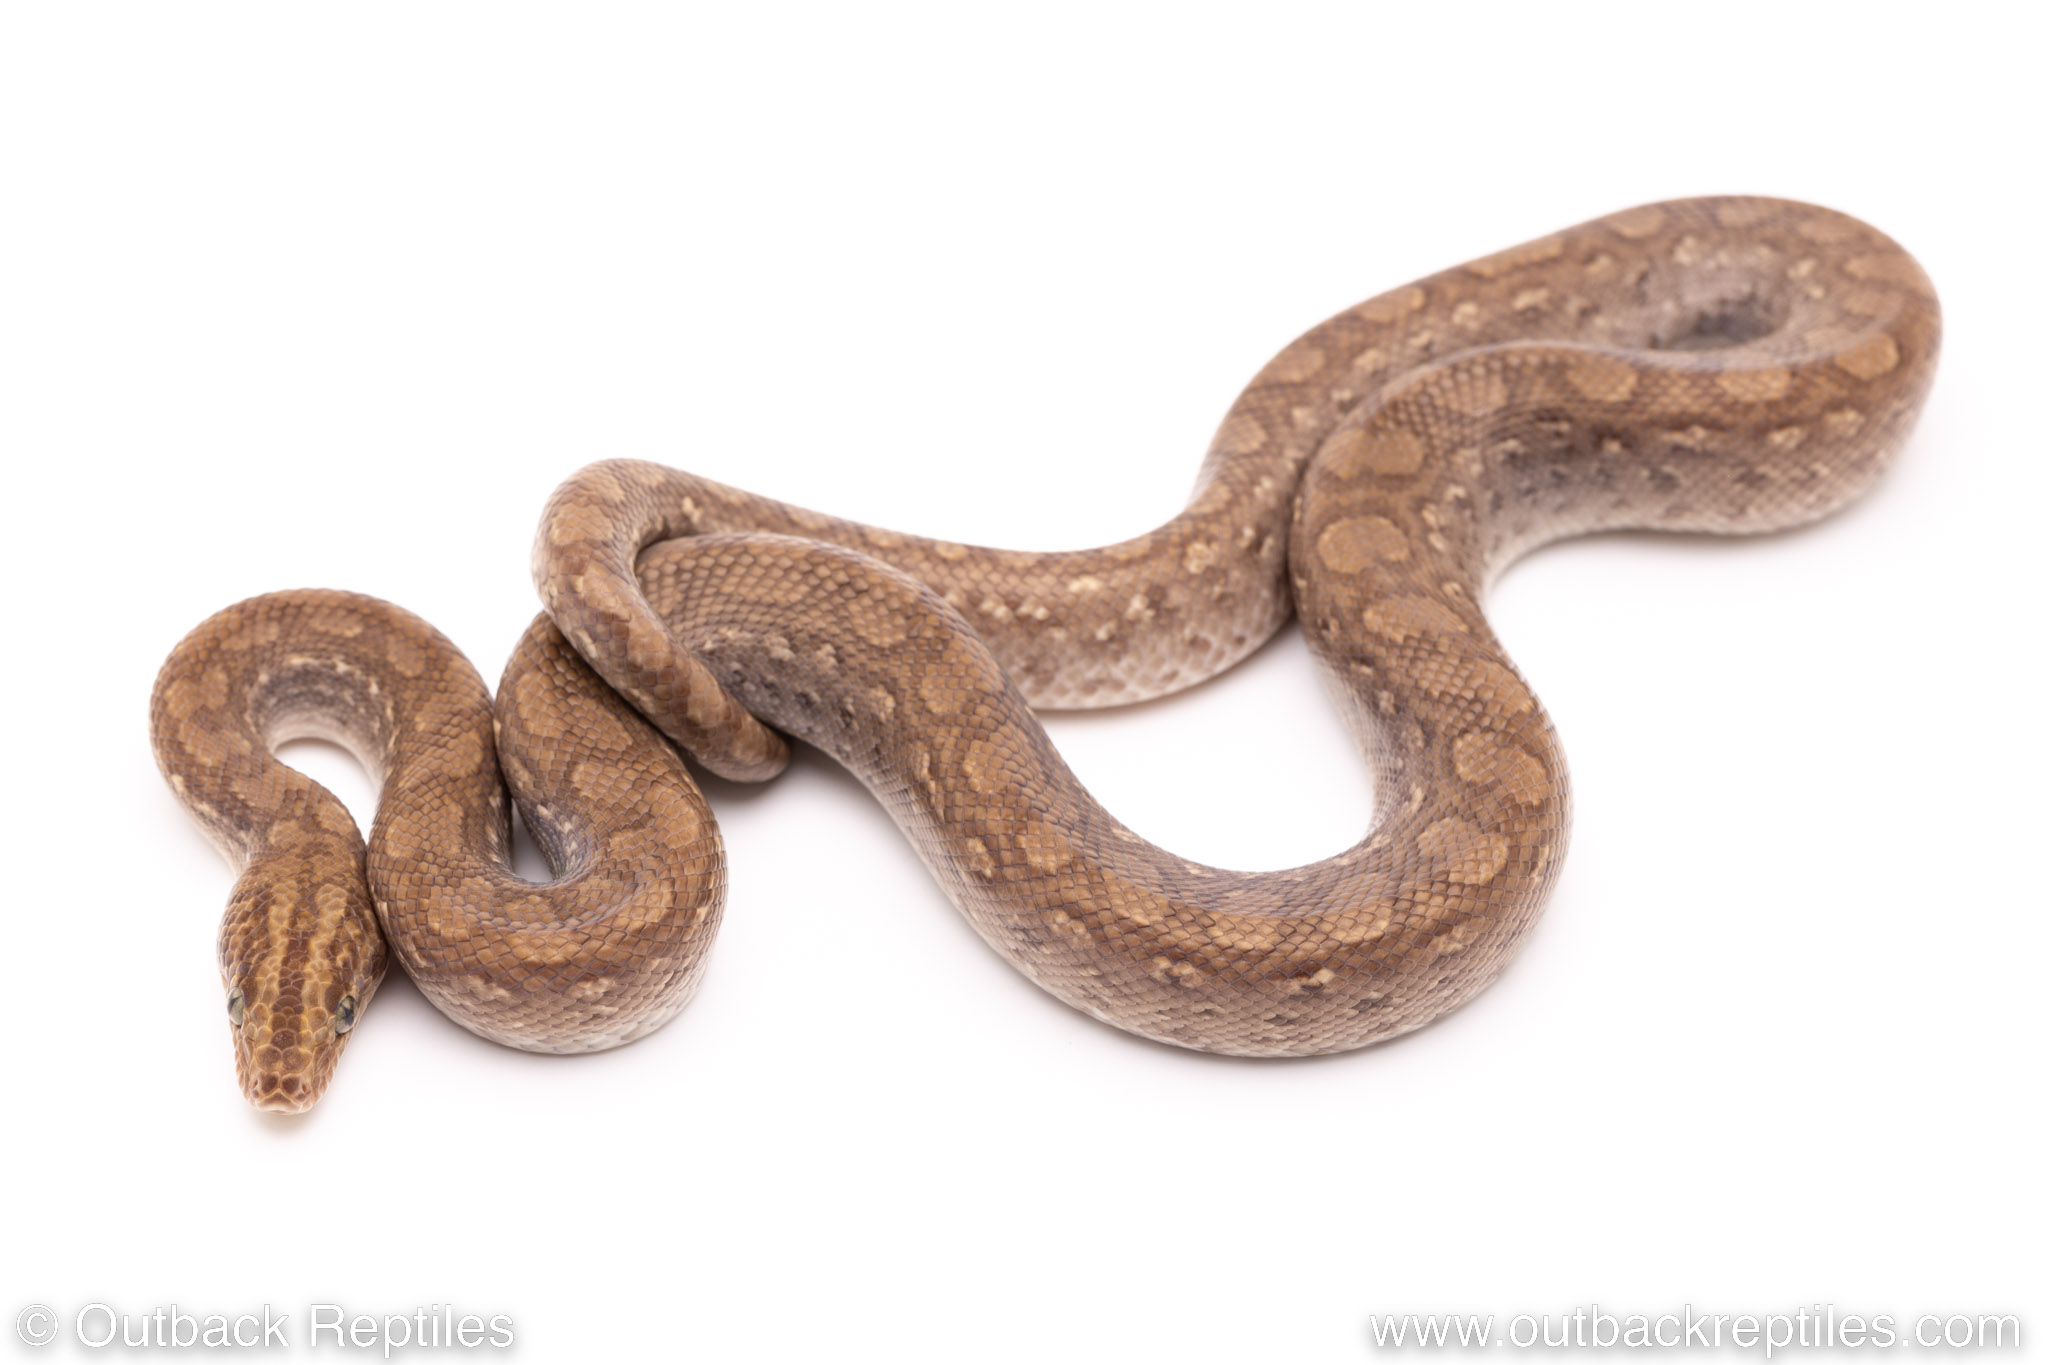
[1717, 365]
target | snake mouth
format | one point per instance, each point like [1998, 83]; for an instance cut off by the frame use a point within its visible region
[283, 1094]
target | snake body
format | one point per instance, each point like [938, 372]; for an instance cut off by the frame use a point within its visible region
[1723, 365]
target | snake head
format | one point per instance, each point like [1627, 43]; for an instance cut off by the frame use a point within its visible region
[296, 991]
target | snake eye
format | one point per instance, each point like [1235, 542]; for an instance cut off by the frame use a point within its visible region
[344, 1015]
[238, 1004]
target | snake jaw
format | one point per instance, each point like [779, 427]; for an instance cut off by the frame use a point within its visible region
[277, 1094]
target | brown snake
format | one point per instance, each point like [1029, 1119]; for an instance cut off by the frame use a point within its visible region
[1724, 365]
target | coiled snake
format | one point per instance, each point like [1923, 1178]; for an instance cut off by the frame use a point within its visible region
[1725, 365]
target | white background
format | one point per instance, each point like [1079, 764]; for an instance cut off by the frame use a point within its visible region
[296, 296]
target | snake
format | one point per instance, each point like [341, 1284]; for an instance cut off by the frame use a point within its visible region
[1714, 365]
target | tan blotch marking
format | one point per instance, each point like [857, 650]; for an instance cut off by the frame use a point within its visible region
[185, 697]
[676, 815]
[405, 654]
[1043, 848]
[1299, 984]
[1254, 935]
[331, 902]
[602, 482]
[1240, 434]
[1889, 266]
[464, 752]
[1532, 298]
[1741, 215]
[881, 702]
[1829, 229]
[1870, 358]
[1199, 556]
[1064, 923]
[334, 817]
[1518, 258]
[705, 705]
[1494, 686]
[1295, 364]
[1474, 857]
[1602, 378]
[1349, 545]
[1405, 618]
[483, 988]
[983, 767]
[1368, 925]
[1456, 939]
[1637, 224]
[949, 550]
[1844, 421]
[979, 860]
[1480, 394]
[1386, 451]
[348, 627]
[1483, 757]
[1394, 306]
[580, 521]
[876, 620]
[1786, 438]
[1755, 386]
[1086, 583]
[955, 667]
[1138, 609]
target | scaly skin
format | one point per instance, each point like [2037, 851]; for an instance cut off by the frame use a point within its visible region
[1724, 365]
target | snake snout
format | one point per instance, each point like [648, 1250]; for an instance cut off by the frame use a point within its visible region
[279, 1094]
[280, 1077]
